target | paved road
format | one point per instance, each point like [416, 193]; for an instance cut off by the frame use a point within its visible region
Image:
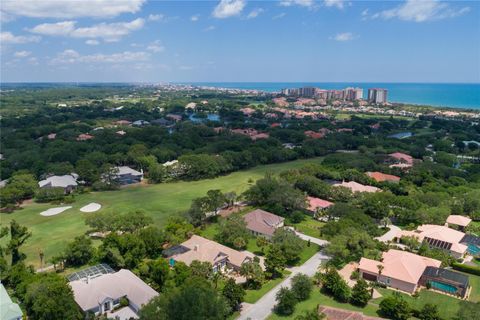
[263, 307]
[390, 234]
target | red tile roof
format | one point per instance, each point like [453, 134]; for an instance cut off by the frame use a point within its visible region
[316, 203]
[380, 177]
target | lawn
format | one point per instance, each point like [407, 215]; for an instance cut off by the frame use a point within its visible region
[50, 234]
[309, 226]
[251, 296]
[317, 298]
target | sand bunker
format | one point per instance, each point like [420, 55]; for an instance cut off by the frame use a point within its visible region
[54, 211]
[91, 207]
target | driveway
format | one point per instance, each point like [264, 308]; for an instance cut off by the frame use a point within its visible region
[263, 307]
[303, 236]
[390, 234]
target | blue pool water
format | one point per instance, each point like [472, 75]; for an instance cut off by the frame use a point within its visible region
[443, 287]
[210, 117]
[473, 249]
[401, 135]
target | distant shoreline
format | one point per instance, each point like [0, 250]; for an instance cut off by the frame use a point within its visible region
[455, 96]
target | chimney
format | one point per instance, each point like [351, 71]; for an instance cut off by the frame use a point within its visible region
[196, 247]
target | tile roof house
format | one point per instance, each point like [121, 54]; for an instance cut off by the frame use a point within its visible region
[357, 187]
[381, 177]
[399, 269]
[68, 182]
[440, 237]
[263, 223]
[332, 313]
[84, 137]
[401, 160]
[8, 309]
[317, 204]
[102, 294]
[445, 280]
[205, 250]
[458, 220]
[127, 175]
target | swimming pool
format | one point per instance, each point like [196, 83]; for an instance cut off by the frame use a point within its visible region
[473, 249]
[443, 287]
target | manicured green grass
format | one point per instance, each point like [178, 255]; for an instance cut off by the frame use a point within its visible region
[447, 306]
[309, 226]
[307, 253]
[251, 296]
[317, 298]
[50, 234]
[475, 284]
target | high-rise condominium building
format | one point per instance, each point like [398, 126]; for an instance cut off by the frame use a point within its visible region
[377, 95]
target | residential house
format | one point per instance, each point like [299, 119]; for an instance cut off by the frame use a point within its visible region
[84, 137]
[102, 294]
[398, 269]
[205, 250]
[316, 205]
[123, 123]
[460, 222]
[127, 175]
[51, 136]
[140, 123]
[263, 223]
[8, 309]
[401, 160]
[162, 122]
[332, 313]
[382, 177]
[357, 187]
[68, 182]
[174, 117]
[439, 237]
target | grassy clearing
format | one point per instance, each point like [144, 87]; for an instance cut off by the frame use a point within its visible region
[161, 201]
[251, 296]
[309, 226]
[317, 298]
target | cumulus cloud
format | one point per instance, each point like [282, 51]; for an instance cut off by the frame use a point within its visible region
[70, 9]
[255, 13]
[302, 3]
[54, 29]
[228, 8]
[195, 17]
[106, 31]
[22, 54]
[156, 46]
[71, 56]
[156, 17]
[92, 42]
[9, 38]
[342, 37]
[421, 11]
[340, 4]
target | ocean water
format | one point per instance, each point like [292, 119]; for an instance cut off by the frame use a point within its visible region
[454, 95]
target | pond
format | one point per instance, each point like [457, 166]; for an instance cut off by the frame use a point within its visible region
[209, 117]
[401, 135]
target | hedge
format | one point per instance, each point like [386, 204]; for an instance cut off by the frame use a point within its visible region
[466, 268]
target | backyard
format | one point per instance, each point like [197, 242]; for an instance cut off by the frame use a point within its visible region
[50, 234]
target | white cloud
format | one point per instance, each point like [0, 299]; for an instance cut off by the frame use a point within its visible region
[63, 28]
[22, 54]
[71, 56]
[156, 17]
[421, 11]
[156, 46]
[228, 8]
[33, 61]
[345, 36]
[92, 42]
[302, 3]
[195, 17]
[279, 16]
[106, 31]
[340, 4]
[8, 37]
[209, 28]
[70, 9]
[255, 13]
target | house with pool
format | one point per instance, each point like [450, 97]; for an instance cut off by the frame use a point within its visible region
[406, 271]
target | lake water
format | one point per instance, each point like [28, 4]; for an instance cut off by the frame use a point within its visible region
[455, 95]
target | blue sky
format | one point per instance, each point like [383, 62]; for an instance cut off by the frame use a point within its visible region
[240, 40]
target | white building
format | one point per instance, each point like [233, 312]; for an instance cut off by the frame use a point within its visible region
[68, 182]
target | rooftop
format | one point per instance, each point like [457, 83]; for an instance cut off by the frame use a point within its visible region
[8, 309]
[458, 220]
[262, 221]
[316, 203]
[380, 177]
[357, 187]
[59, 181]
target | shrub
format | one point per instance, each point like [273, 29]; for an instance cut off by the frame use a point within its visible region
[49, 194]
[466, 268]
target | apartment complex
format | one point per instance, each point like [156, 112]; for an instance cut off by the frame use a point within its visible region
[377, 95]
